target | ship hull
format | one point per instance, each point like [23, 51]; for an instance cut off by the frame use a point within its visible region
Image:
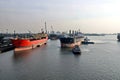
[71, 45]
[26, 44]
[70, 42]
[22, 48]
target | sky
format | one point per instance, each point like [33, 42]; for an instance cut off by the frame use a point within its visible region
[90, 16]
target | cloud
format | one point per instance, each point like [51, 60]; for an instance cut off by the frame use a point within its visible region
[65, 13]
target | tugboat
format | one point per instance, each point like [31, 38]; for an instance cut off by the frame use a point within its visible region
[87, 41]
[76, 50]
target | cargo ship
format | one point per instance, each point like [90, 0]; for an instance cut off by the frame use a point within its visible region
[36, 40]
[118, 36]
[69, 41]
[53, 36]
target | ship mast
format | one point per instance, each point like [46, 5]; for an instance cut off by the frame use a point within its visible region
[52, 28]
[45, 28]
[14, 33]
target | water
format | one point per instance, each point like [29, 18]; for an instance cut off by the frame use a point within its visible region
[99, 61]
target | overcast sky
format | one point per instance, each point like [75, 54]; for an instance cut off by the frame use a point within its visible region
[90, 16]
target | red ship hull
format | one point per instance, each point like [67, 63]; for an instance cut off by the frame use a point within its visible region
[25, 44]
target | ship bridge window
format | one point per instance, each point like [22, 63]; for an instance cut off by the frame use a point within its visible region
[67, 40]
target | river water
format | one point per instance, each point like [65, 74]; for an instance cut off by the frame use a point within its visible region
[99, 61]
